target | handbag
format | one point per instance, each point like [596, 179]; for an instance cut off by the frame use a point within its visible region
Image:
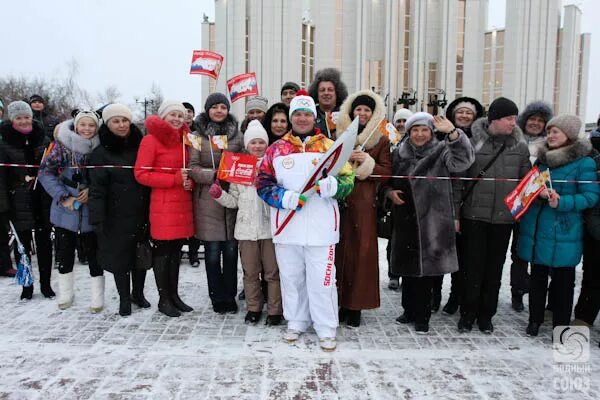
[143, 255]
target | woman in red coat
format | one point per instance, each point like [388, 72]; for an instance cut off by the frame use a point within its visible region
[171, 216]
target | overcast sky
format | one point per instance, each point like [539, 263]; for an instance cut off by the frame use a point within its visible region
[132, 43]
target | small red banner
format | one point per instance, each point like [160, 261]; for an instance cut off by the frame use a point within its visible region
[532, 184]
[206, 63]
[242, 86]
[237, 168]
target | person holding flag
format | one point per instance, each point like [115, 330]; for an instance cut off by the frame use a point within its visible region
[216, 132]
[305, 249]
[551, 232]
[160, 165]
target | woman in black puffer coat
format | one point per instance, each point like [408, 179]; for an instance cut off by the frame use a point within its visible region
[26, 204]
[119, 205]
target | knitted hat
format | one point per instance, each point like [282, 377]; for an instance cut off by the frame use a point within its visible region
[302, 102]
[170, 105]
[402, 113]
[502, 107]
[569, 124]
[36, 97]
[467, 105]
[420, 118]
[255, 130]
[363, 100]
[86, 114]
[257, 103]
[188, 106]
[17, 108]
[290, 85]
[116, 110]
[216, 98]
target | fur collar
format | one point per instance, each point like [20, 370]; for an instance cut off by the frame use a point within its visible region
[111, 142]
[371, 130]
[67, 136]
[206, 127]
[15, 138]
[165, 133]
[480, 131]
[564, 155]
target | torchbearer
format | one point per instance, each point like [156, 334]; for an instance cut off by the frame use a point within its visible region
[305, 249]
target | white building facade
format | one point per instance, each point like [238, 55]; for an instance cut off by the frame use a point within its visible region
[426, 50]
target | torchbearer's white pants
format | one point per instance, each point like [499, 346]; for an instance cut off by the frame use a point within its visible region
[309, 294]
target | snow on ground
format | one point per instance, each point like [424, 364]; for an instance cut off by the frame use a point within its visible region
[50, 354]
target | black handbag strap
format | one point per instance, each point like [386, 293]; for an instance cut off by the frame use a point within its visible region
[482, 173]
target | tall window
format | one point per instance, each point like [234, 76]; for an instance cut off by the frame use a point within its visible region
[487, 69]
[339, 24]
[431, 86]
[373, 75]
[557, 72]
[406, 43]
[460, 46]
[308, 54]
[498, 80]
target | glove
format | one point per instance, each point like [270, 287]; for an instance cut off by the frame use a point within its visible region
[215, 190]
[293, 200]
[327, 187]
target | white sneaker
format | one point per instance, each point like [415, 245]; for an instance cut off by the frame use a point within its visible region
[328, 343]
[291, 335]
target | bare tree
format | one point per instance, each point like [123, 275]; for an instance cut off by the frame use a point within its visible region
[109, 95]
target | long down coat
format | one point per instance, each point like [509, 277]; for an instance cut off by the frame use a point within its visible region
[170, 204]
[213, 221]
[423, 237]
[118, 203]
[357, 254]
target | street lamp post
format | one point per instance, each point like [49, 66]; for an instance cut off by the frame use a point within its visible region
[145, 102]
[435, 102]
[405, 98]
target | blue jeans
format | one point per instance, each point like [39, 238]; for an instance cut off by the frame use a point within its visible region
[222, 281]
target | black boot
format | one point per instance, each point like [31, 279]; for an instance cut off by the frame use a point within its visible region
[436, 299]
[342, 314]
[452, 305]
[138, 279]
[517, 300]
[45, 274]
[465, 323]
[161, 266]
[174, 282]
[27, 292]
[353, 319]
[252, 317]
[122, 283]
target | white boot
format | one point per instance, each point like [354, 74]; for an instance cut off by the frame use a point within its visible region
[65, 290]
[97, 294]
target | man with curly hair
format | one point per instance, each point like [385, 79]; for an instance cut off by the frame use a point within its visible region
[329, 92]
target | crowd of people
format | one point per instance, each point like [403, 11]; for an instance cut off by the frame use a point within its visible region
[96, 184]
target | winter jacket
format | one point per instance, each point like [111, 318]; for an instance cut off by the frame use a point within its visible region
[286, 165]
[542, 109]
[213, 221]
[592, 215]
[171, 214]
[62, 175]
[26, 207]
[423, 236]
[321, 124]
[47, 122]
[253, 216]
[486, 201]
[118, 203]
[554, 236]
[357, 256]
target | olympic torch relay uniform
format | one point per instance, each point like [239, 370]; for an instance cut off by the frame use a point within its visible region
[305, 249]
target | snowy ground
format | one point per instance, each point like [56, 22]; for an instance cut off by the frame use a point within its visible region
[48, 354]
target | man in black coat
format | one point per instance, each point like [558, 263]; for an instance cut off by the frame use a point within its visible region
[41, 116]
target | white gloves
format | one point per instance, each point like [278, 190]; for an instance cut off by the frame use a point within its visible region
[327, 187]
[292, 200]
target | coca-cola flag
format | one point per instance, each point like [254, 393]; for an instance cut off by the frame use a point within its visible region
[206, 63]
[237, 168]
[242, 86]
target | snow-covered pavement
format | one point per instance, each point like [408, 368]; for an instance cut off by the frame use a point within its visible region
[50, 354]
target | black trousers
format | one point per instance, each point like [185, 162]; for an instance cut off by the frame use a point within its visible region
[519, 277]
[222, 278]
[388, 253]
[563, 286]
[416, 297]
[485, 252]
[588, 303]
[66, 244]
